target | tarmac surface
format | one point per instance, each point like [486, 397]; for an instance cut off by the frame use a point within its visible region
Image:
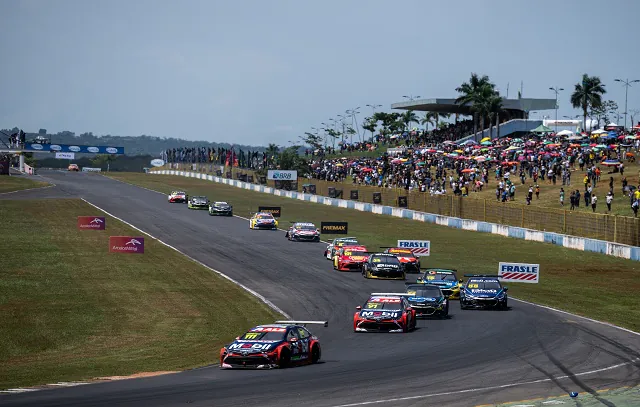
[473, 358]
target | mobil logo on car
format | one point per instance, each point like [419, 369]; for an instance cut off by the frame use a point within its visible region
[418, 247]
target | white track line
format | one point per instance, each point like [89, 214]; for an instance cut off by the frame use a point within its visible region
[249, 290]
[28, 189]
[513, 298]
[480, 389]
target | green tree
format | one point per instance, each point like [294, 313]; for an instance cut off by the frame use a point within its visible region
[427, 120]
[312, 140]
[493, 105]
[407, 118]
[370, 124]
[587, 94]
[473, 93]
[602, 112]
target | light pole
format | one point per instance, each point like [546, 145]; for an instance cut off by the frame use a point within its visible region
[412, 98]
[325, 133]
[627, 84]
[342, 121]
[373, 109]
[354, 121]
[556, 90]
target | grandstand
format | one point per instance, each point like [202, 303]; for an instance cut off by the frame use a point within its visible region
[514, 119]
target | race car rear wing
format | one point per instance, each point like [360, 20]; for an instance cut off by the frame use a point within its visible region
[391, 294]
[304, 323]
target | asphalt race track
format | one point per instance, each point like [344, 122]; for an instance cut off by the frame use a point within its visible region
[476, 357]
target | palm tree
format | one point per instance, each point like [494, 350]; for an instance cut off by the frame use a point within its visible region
[469, 91]
[480, 102]
[427, 120]
[273, 150]
[587, 94]
[494, 107]
[409, 117]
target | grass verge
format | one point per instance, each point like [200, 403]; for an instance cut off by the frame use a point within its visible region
[588, 284]
[18, 183]
[69, 310]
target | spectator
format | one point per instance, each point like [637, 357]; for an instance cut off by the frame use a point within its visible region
[609, 199]
[594, 202]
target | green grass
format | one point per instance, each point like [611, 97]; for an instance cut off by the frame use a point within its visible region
[69, 310]
[589, 284]
[18, 183]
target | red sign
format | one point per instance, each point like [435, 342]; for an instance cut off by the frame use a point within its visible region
[91, 223]
[126, 244]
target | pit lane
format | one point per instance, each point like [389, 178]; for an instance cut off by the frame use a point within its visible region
[475, 357]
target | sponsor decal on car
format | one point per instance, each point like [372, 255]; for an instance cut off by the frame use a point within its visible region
[276, 211]
[91, 223]
[126, 244]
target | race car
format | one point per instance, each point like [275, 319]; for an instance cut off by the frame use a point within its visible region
[338, 242]
[428, 300]
[73, 167]
[385, 312]
[220, 208]
[350, 258]
[406, 256]
[383, 266]
[198, 202]
[483, 291]
[263, 220]
[303, 232]
[279, 345]
[446, 279]
[178, 196]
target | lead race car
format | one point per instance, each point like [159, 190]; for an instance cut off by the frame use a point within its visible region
[220, 208]
[350, 258]
[279, 345]
[385, 312]
[263, 220]
[178, 197]
[303, 232]
[446, 279]
[198, 202]
[338, 242]
[483, 291]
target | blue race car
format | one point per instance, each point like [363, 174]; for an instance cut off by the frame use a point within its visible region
[483, 291]
[446, 279]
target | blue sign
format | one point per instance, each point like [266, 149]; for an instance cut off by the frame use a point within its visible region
[63, 148]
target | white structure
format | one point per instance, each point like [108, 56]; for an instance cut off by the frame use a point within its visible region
[576, 125]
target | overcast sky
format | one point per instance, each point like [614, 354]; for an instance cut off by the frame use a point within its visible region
[267, 71]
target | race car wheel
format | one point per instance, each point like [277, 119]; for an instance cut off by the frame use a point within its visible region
[407, 322]
[315, 354]
[504, 306]
[285, 359]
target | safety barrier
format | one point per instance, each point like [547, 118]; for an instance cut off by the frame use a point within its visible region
[568, 241]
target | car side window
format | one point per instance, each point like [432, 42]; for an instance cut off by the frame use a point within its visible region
[303, 333]
[291, 334]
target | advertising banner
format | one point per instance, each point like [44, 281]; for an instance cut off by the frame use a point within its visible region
[91, 223]
[334, 228]
[91, 169]
[126, 244]
[64, 148]
[281, 175]
[419, 247]
[65, 156]
[157, 162]
[276, 211]
[519, 272]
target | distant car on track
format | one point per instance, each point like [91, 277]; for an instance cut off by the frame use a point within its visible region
[446, 279]
[220, 208]
[385, 312]
[409, 260]
[279, 345]
[483, 291]
[178, 197]
[198, 202]
[263, 220]
[383, 266]
[349, 258]
[428, 300]
[73, 167]
[303, 232]
[338, 242]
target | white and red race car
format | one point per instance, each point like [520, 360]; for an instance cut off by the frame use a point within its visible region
[178, 197]
[303, 232]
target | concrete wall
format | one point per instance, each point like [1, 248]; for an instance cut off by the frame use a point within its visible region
[572, 242]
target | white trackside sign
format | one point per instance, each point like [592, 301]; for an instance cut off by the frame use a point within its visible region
[519, 272]
[419, 247]
[282, 175]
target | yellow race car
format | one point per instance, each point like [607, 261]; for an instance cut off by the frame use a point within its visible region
[263, 220]
[446, 279]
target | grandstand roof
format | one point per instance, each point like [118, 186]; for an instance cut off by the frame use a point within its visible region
[450, 106]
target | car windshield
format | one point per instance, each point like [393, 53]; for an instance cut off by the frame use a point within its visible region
[178, 193]
[383, 303]
[428, 292]
[484, 284]
[200, 197]
[221, 203]
[355, 253]
[377, 259]
[305, 227]
[264, 217]
[429, 276]
[264, 336]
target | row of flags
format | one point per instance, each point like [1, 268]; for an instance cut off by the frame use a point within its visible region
[220, 155]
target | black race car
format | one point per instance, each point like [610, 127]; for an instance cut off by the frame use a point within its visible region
[483, 291]
[198, 202]
[428, 300]
[383, 266]
[220, 208]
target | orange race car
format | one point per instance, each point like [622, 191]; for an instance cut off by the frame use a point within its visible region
[409, 260]
[350, 258]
